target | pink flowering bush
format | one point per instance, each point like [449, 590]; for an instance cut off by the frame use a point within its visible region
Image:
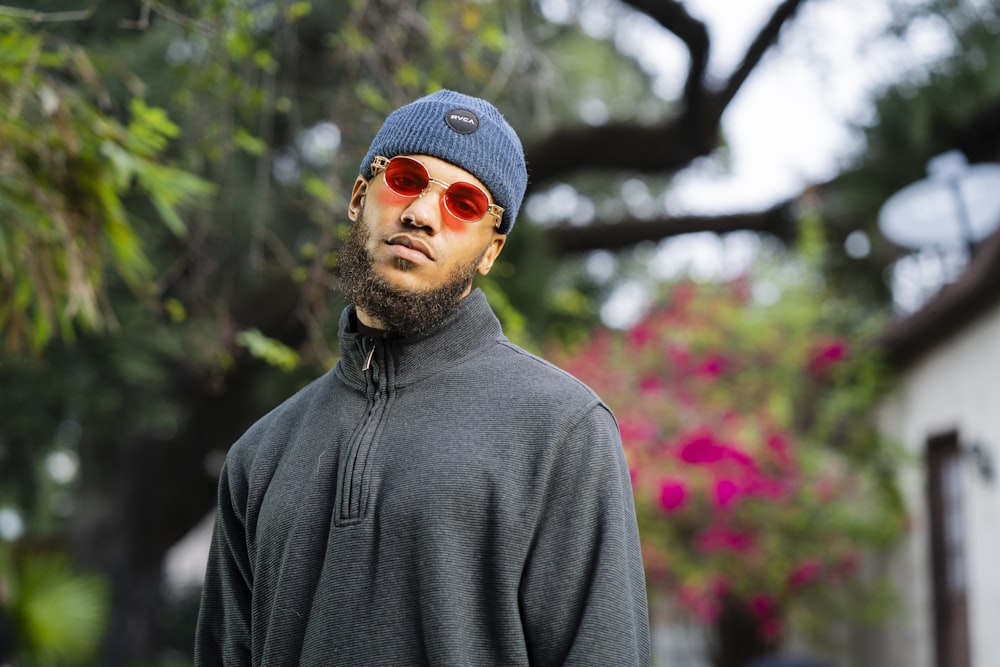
[759, 479]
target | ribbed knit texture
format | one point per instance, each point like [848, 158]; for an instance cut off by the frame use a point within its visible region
[492, 153]
[398, 517]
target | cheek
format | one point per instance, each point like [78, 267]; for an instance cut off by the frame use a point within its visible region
[385, 197]
[453, 225]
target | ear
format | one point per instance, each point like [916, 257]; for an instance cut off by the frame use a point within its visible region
[491, 253]
[357, 198]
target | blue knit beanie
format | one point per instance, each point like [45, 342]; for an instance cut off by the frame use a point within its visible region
[467, 132]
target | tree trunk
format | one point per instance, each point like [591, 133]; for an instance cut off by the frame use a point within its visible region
[736, 639]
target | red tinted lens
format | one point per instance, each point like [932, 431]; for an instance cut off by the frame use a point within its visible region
[406, 177]
[466, 202]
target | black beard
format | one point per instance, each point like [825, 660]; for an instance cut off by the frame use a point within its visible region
[403, 312]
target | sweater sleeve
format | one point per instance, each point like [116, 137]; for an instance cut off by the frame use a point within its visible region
[583, 593]
[223, 631]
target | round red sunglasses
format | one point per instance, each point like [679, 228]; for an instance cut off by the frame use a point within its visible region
[408, 177]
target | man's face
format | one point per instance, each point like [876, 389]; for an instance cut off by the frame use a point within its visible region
[412, 250]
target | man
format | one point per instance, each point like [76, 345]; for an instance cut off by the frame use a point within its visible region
[441, 497]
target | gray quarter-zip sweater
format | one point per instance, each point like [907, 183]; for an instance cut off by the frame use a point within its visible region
[444, 499]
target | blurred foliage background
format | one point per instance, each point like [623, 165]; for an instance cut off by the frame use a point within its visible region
[760, 479]
[173, 182]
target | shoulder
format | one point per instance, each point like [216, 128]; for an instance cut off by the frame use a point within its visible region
[524, 378]
[269, 435]
[582, 441]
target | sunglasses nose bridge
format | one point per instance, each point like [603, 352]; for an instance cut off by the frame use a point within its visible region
[433, 181]
[442, 197]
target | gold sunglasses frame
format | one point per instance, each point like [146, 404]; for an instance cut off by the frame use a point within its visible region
[379, 164]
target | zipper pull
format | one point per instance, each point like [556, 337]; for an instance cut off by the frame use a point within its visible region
[368, 360]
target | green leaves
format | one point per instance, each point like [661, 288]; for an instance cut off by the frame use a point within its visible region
[268, 349]
[59, 613]
[67, 172]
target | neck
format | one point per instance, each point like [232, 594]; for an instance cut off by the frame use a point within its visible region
[369, 326]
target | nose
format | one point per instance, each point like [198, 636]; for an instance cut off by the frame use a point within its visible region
[424, 210]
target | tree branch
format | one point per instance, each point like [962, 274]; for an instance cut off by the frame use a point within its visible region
[676, 19]
[671, 145]
[46, 17]
[778, 221]
[765, 39]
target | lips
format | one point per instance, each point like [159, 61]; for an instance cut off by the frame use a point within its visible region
[409, 247]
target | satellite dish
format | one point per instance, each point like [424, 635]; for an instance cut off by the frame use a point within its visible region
[959, 204]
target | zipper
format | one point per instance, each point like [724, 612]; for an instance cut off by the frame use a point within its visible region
[353, 485]
[370, 354]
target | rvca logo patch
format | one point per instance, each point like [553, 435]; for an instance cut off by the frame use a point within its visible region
[462, 121]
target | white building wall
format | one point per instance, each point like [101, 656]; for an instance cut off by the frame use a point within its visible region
[956, 387]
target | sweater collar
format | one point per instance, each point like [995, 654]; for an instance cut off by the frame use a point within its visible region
[469, 329]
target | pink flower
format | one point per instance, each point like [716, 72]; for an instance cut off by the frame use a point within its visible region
[762, 605]
[782, 450]
[719, 538]
[702, 449]
[828, 356]
[765, 609]
[764, 487]
[712, 367]
[726, 493]
[740, 457]
[805, 573]
[640, 335]
[651, 384]
[673, 494]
